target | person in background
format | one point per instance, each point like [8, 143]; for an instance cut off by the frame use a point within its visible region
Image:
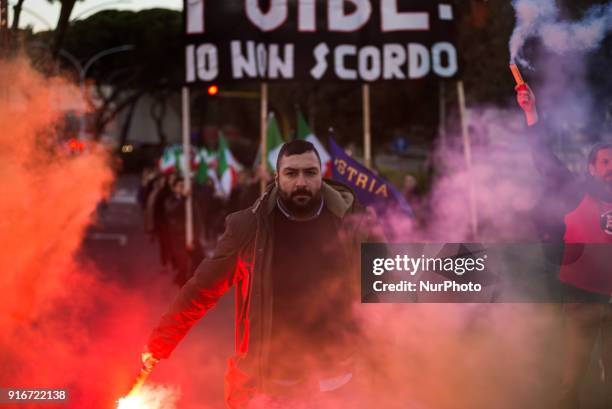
[183, 259]
[252, 188]
[583, 206]
[147, 182]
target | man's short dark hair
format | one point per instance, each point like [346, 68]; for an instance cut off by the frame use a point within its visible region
[296, 147]
[595, 150]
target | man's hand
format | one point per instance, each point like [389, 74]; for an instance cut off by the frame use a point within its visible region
[527, 101]
[525, 97]
[149, 361]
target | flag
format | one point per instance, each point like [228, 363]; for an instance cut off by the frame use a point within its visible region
[228, 168]
[274, 142]
[167, 163]
[202, 173]
[370, 189]
[178, 161]
[207, 169]
[206, 166]
[172, 160]
[304, 132]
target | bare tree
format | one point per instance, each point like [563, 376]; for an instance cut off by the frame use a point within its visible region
[62, 24]
[16, 15]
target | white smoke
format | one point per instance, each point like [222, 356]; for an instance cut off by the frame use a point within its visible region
[540, 19]
[152, 397]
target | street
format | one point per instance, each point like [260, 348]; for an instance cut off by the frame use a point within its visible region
[117, 246]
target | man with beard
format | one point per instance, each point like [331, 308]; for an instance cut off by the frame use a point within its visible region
[293, 257]
[586, 229]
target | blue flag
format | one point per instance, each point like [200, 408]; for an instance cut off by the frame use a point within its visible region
[371, 190]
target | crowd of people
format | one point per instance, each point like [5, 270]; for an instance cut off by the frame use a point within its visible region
[162, 197]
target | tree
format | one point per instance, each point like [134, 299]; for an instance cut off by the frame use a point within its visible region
[62, 24]
[153, 67]
[16, 15]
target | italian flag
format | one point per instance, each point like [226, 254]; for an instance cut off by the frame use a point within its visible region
[172, 160]
[179, 166]
[206, 166]
[167, 163]
[304, 132]
[228, 168]
[274, 142]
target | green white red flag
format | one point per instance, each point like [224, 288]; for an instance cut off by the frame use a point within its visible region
[304, 132]
[206, 167]
[274, 142]
[228, 168]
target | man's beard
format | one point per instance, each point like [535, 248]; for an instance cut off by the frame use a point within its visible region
[602, 187]
[297, 207]
[605, 180]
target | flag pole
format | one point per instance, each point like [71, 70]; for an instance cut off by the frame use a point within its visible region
[263, 134]
[467, 151]
[367, 138]
[186, 125]
[442, 114]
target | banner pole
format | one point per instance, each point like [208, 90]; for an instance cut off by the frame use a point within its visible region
[467, 151]
[442, 114]
[186, 125]
[263, 134]
[367, 138]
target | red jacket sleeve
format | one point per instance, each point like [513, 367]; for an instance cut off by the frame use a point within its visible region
[213, 278]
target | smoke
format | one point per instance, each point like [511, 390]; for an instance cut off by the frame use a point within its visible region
[500, 185]
[64, 323]
[530, 15]
[540, 19]
[152, 397]
[449, 356]
[49, 195]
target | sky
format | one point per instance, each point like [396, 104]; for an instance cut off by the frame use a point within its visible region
[43, 15]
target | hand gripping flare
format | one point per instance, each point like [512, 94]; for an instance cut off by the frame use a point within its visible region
[133, 400]
[148, 363]
[531, 113]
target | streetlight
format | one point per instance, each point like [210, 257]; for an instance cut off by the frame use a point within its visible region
[82, 70]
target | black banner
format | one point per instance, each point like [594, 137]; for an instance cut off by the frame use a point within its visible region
[319, 40]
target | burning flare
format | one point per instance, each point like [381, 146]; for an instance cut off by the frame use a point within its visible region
[150, 397]
[131, 402]
[518, 78]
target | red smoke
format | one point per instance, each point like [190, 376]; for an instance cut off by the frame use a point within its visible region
[64, 324]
